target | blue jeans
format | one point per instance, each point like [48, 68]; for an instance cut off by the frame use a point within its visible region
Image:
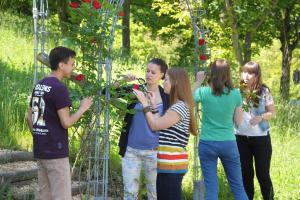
[227, 151]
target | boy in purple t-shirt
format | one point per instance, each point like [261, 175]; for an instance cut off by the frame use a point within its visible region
[49, 119]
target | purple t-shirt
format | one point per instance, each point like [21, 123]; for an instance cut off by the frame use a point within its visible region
[50, 139]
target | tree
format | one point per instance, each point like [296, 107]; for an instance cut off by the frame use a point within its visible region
[61, 6]
[247, 25]
[287, 17]
[126, 28]
[18, 6]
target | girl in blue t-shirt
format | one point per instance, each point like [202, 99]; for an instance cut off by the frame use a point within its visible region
[138, 143]
[221, 108]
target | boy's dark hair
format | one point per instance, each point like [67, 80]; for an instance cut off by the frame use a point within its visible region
[60, 54]
[163, 65]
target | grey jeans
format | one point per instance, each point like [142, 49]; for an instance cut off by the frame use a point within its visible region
[131, 169]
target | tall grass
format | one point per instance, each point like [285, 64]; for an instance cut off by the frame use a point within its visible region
[15, 80]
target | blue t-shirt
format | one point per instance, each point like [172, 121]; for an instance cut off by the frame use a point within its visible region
[217, 113]
[140, 134]
[50, 139]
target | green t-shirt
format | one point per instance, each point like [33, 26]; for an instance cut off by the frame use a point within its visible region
[217, 113]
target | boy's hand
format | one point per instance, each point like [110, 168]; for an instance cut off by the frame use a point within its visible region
[86, 103]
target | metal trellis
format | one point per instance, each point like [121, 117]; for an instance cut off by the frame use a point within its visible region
[197, 14]
[99, 145]
[40, 32]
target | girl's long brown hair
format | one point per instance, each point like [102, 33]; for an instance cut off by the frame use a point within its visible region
[220, 77]
[181, 90]
[254, 68]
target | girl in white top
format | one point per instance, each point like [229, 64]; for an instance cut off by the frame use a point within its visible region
[252, 135]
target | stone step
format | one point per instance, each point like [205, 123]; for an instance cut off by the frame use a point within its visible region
[23, 189]
[18, 171]
[26, 189]
[13, 156]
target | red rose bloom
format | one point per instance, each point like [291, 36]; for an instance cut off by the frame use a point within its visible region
[202, 57]
[97, 5]
[122, 14]
[135, 86]
[79, 77]
[74, 4]
[86, 1]
[201, 42]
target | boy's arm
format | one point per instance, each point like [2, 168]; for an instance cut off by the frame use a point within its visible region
[29, 118]
[68, 120]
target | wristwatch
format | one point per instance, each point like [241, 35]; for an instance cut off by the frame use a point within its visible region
[147, 109]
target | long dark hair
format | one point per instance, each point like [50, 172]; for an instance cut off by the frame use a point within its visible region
[220, 77]
[181, 90]
[253, 68]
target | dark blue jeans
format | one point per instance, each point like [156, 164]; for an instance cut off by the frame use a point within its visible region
[168, 186]
[259, 149]
[227, 152]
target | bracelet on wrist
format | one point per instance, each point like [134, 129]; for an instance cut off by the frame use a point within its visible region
[147, 109]
[154, 111]
[154, 107]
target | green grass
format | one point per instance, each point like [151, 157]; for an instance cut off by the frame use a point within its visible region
[285, 166]
[16, 63]
[15, 81]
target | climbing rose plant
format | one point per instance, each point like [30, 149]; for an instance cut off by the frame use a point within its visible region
[91, 37]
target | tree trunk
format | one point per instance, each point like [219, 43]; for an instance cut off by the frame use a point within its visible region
[247, 50]
[285, 71]
[286, 50]
[62, 14]
[235, 35]
[126, 29]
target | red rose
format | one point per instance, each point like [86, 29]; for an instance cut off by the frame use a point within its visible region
[97, 5]
[202, 57]
[86, 1]
[122, 14]
[135, 86]
[74, 4]
[201, 42]
[79, 77]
